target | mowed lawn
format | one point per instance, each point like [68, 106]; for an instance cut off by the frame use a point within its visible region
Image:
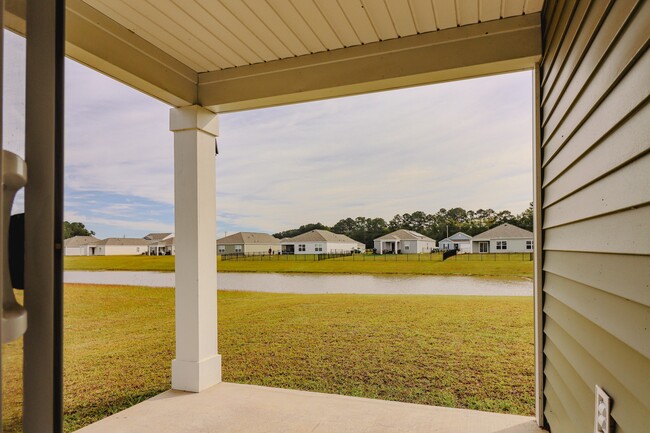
[500, 268]
[457, 351]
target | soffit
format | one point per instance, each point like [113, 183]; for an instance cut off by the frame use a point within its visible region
[212, 35]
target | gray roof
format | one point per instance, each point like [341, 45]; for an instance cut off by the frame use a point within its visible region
[504, 231]
[248, 238]
[124, 241]
[77, 241]
[156, 236]
[460, 236]
[404, 235]
[321, 236]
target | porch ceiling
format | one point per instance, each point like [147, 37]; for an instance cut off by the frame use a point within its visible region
[237, 54]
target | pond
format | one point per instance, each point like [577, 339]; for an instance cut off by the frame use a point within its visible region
[324, 283]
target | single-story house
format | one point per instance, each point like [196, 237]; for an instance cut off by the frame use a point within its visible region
[404, 242]
[460, 242]
[157, 237]
[74, 246]
[505, 238]
[320, 242]
[163, 247]
[117, 247]
[248, 243]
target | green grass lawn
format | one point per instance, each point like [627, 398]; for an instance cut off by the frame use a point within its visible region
[387, 265]
[457, 351]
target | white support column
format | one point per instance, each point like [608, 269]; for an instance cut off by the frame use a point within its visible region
[197, 365]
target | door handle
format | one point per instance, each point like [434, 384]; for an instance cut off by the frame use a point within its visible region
[14, 316]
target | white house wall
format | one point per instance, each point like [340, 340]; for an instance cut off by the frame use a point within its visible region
[513, 246]
[120, 250]
[328, 247]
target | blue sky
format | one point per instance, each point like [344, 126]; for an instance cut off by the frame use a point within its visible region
[465, 143]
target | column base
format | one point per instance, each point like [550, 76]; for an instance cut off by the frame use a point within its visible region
[196, 376]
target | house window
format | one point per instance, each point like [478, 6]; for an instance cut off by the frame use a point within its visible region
[301, 247]
[406, 247]
[318, 247]
[238, 248]
[502, 245]
[529, 245]
[222, 248]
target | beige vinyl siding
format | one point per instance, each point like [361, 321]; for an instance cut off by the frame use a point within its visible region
[596, 211]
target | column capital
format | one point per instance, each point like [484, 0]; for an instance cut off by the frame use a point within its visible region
[193, 117]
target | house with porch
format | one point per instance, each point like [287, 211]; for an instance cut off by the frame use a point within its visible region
[320, 242]
[404, 242]
[162, 247]
[460, 242]
[590, 80]
[506, 238]
[248, 243]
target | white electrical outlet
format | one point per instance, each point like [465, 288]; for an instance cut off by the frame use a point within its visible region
[602, 421]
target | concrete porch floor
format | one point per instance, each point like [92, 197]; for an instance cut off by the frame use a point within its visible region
[229, 407]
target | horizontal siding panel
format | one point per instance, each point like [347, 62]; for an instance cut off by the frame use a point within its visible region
[579, 389]
[628, 140]
[632, 91]
[574, 410]
[558, 409]
[629, 411]
[550, 24]
[626, 276]
[584, 33]
[560, 41]
[623, 232]
[625, 320]
[604, 196]
[596, 76]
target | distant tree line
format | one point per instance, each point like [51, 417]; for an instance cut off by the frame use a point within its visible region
[436, 225]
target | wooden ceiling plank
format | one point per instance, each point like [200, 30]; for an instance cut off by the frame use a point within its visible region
[512, 8]
[445, 11]
[290, 15]
[196, 22]
[359, 20]
[489, 10]
[315, 19]
[280, 29]
[402, 17]
[171, 46]
[467, 12]
[423, 15]
[380, 18]
[337, 19]
[237, 29]
[257, 27]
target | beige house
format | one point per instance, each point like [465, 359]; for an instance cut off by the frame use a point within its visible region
[506, 238]
[404, 242]
[320, 242]
[249, 243]
[117, 247]
[590, 79]
[74, 246]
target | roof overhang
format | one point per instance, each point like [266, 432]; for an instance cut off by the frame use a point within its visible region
[94, 39]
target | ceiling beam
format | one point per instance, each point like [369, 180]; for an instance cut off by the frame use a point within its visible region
[102, 44]
[492, 47]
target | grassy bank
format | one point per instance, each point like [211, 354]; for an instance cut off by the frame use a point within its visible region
[470, 352]
[500, 268]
